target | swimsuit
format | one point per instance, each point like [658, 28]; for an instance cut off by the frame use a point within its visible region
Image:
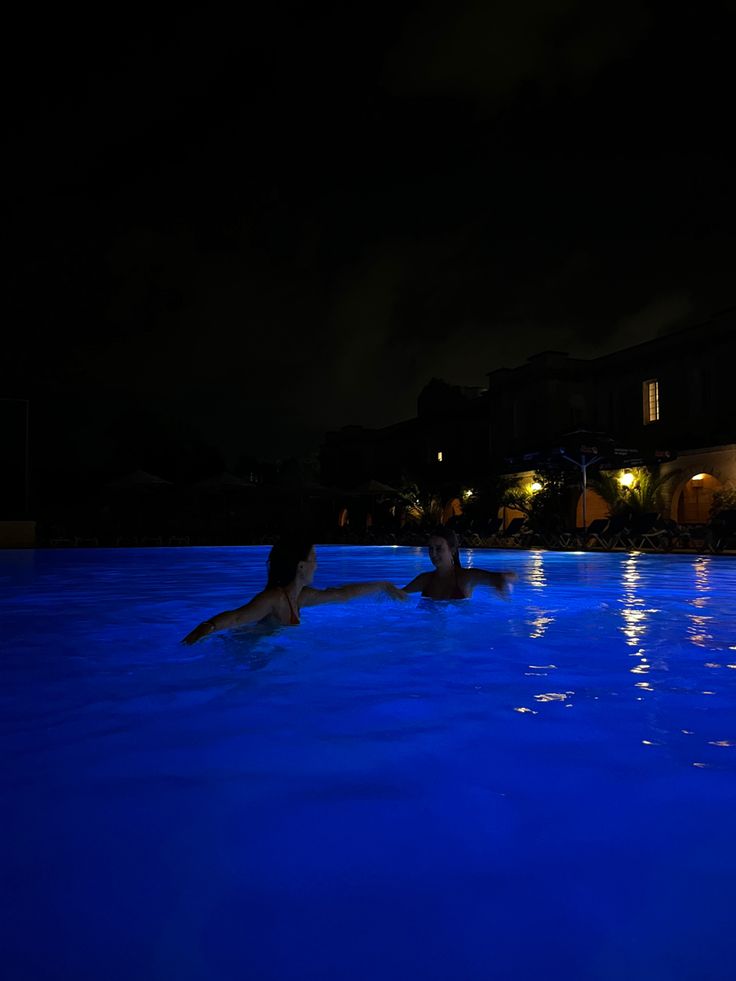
[294, 620]
[457, 593]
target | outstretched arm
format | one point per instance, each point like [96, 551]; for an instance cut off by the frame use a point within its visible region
[258, 608]
[343, 594]
[500, 581]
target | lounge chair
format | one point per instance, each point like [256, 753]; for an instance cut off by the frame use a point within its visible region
[615, 532]
[550, 534]
[567, 539]
[492, 531]
[595, 530]
[721, 532]
[693, 537]
[513, 533]
[647, 531]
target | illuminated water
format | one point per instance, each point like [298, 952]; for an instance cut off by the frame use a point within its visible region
[544, 788]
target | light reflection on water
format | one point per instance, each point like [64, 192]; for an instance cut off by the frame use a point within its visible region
[540, 618]
[698, 630]
[387, 761]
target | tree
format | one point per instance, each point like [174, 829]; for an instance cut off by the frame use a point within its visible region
[642, 496]
[724, 499]
[546, 505]
[420, 506]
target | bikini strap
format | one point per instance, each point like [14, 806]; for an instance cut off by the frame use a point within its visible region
[294, 617]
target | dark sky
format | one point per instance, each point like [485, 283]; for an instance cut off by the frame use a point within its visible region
[252, 227]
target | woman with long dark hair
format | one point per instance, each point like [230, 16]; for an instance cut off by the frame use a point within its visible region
[450, 580]
[292, 563]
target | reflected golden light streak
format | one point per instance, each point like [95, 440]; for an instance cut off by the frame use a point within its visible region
[542, 619]
[634, 613]
[537, 578]
[539, 625]
[721, 742]
[697, 627]
[698, 631]
[702, 575]
[526, 711]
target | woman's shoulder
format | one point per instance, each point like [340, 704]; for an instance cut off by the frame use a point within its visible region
[267, 598]
[271, 591]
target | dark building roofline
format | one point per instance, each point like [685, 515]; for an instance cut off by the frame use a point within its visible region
[718, 321]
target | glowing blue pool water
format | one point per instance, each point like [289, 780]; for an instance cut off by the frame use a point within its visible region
[540, 788]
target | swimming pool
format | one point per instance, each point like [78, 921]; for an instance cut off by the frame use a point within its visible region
[538, 788]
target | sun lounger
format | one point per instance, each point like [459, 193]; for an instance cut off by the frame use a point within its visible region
[647, 531]
[513, 533]
[594, 532]
[615, 532]
[721, 532]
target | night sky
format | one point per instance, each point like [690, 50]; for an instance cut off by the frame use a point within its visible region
[241, 230]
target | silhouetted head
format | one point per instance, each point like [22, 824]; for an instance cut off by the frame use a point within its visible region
[441, 541]
[287, 558]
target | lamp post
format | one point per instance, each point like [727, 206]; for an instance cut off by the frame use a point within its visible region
[26, 467]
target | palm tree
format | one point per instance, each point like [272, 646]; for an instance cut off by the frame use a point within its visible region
[644, 495]
[545, 506]
[724, 499]
[420, 506]
[612, 492]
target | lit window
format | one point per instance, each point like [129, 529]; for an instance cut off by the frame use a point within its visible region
[651, 401]
[439, 456]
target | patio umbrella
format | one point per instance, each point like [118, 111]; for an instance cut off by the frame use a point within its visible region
[311, 488]
[374, 488]
[584, 448]
[140, 502]
[138, 479]
[223, 482]
[224, 498]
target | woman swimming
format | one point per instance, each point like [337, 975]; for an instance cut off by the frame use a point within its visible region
[291, 567]
[450, 580]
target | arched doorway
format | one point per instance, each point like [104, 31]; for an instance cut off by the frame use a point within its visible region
[453, 509]
[507, 515]
[595, 507]
[696, 499]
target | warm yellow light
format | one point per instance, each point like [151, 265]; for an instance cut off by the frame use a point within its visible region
[700, 476]
[439, 456]
[467, 494]
[626, 479]
[534, 487]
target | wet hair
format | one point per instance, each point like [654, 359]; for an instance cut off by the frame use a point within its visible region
[284, 559]
[452, 541]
